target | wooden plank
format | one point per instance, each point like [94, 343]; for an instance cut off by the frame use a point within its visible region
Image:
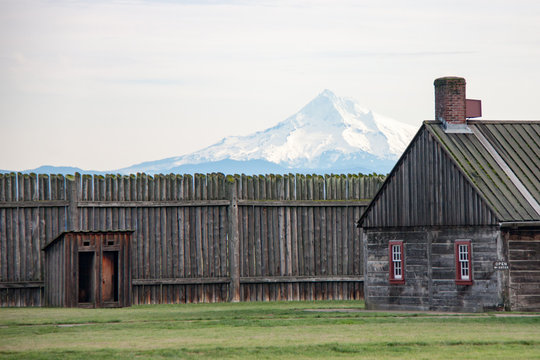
[340, 236]
[176, 241]
[179, 223]
[280, 183]
[252, 237]
[155, 237]
[265, 268]
[25, 216]
[258, 183]
[292, 238]
[300, 279]
[304, 203]
[84, 213]
[145, 238]
[34, 203]
[34, 227]
[216, 239]
[310, 231]
[189, 248]
[307, 293]
[3, 237]
[22, 284]
[181, 281]
[106, 193]
[53, 233]
[19, 253]
[242, 237]
[210, 194]
[234, 290]
[300, 180]
[274, 251]
[243, 228]
[183, 238]
[206, 237]
[335, 239]
[271, 182]
[288, 236]
[43, 182]
[151, 240]
[99, 195]
[27, 263]
[223, 234]
[194, 203]
[115, 212]
[168, 236]
[316, 233]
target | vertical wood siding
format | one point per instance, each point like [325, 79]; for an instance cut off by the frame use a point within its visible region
[296, 234]
[427, 189]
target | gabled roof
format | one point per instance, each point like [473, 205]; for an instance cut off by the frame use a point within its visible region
[502, 160]
[499, 159]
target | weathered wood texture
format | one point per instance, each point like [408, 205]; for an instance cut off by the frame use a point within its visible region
[429, 270]
[524, 263]
[426, 189]
[100, 281]
[293, 228]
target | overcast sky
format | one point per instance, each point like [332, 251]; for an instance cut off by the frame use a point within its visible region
[107, 84]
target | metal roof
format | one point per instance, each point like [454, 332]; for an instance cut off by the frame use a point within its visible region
[502, 161]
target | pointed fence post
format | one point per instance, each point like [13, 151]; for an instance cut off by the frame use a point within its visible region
[72, 193]
[234, 250]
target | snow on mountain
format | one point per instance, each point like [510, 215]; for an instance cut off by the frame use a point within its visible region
[329, 134]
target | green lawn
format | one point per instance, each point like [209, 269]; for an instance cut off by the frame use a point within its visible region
[263, 330]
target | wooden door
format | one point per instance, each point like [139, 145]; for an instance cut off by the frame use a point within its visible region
[86, 280]
[109, 277]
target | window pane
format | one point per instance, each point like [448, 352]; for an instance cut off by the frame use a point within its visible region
[463, 256]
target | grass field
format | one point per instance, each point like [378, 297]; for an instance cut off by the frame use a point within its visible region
[299, 330]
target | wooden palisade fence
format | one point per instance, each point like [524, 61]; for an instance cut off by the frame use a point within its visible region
[202, 238]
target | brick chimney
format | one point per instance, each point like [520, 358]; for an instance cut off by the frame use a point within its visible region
[450, 103]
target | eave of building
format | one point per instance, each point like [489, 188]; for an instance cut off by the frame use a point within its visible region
[85, 232]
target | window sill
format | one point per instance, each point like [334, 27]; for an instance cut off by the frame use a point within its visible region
[464, 282]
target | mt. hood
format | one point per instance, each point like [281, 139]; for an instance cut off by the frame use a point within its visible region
[330, 134]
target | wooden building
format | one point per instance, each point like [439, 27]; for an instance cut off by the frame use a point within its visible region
[88, 269]
[456, 225]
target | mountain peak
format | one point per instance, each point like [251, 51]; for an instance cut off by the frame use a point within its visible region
[328, 93]
[327, 134]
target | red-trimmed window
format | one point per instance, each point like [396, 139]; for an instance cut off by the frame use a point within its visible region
[396, 257]
[463, 262]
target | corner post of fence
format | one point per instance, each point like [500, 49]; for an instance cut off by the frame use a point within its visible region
[72, 194]
[234, 250]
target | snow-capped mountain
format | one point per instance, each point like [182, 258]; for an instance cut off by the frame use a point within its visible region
[329, 134]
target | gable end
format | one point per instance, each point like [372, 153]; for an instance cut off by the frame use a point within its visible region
[427, 188]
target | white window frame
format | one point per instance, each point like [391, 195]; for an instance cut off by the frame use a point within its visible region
[396, 262]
